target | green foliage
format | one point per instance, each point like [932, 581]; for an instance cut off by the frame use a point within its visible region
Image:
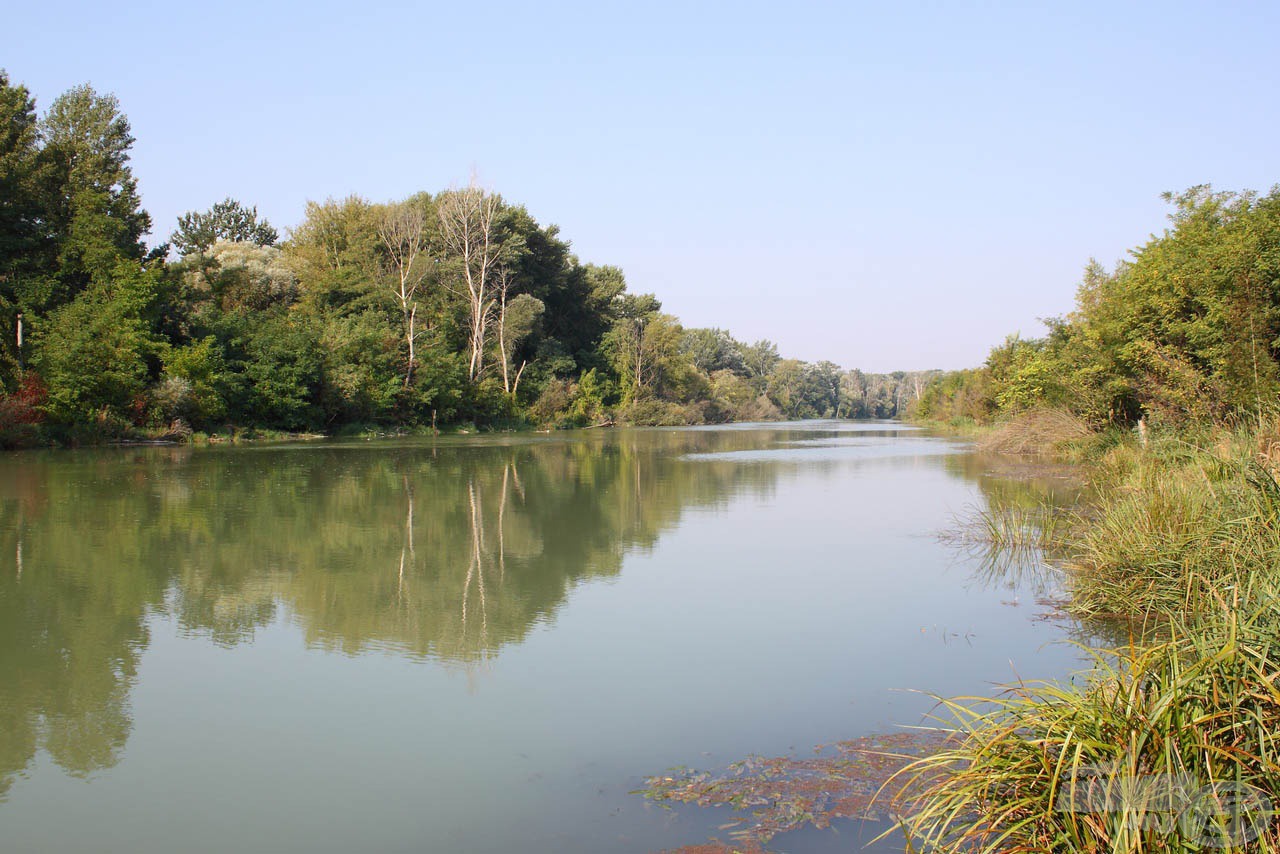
[334, 253]
[552, 408]
[200, 386]
[243, 277]
[227, 221]
[20, 209]
[92, 197]
[643, 348]
[346, 322]
[786, 387]
[957, 395]
[284, 371]
[363, 379]
[576, 298]
[488, 403]
[589, 399]
[649, 412]
[1187, 330]
[733, 396]
[1178, 524]
[760, 358]
[439, 391]
[564, 404]
[96, 352]
[711, 350]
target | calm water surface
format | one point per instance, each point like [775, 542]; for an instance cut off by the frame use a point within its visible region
[475, 644]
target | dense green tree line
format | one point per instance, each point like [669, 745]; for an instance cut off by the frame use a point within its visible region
[453, 307]
[1186, 329]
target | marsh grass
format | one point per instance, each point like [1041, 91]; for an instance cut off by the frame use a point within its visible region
[1183, 532]
[1166, 528]
[1173, 529]
[1012, 528]
[1021, 528]
[1176, 729]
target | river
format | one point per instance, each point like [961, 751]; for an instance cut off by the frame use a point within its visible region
[479, 643]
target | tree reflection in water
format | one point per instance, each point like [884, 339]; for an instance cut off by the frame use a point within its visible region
[448, 551]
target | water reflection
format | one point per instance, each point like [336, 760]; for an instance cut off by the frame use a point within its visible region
[448, 550]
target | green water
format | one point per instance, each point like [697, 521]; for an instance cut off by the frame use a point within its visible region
[475, 644]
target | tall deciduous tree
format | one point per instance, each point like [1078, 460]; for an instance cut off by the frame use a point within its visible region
[642, 344]
[712, 350]
[760, 358]
[19, 203]
[20, 217]
[402, 229]
[96, 350]
[336, 254]
[517, 317]
[470, 229]
[93, 201]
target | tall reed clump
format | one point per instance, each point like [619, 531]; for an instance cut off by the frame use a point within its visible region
[1171, 748]
[1172, 528]
[1012, 528]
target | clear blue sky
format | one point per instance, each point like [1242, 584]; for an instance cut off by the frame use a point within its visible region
[887, 185]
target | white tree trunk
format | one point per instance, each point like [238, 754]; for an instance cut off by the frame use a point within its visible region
[402, 231]
[468, 222]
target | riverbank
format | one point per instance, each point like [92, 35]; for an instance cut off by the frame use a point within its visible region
[1170, 742]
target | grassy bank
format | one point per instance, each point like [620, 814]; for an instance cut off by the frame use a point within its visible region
[1172, 747]
[1172, 743]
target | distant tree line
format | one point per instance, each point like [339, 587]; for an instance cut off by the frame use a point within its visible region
[1187, 329]
[453, 307]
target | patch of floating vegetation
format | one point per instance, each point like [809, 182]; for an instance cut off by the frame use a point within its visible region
[855, 779]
